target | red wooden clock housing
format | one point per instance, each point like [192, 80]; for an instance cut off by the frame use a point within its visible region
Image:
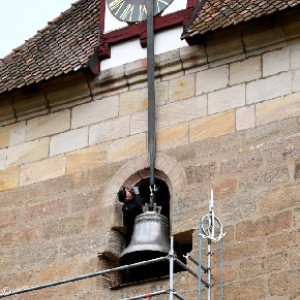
[138, 30]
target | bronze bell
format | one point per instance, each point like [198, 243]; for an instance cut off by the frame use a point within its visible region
[150, 238]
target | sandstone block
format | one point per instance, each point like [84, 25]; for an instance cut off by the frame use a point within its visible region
[212, 126]
[95, 111]
[284, 283]
[6, 110]
[8, 218]
[52, 208]
[69, 141]
[42, 170]
[200, 173]
[244, 163]
[28, 152]
[47, 125]
[133, 101]
[12, 134]
[182, 88]
[277, 109]
[212, 79]
[173, 136]
[262, 38]
[109, 130]
[9, 178]
[263, 89]
[181, 111]
[224, 47]
[246, 70]
[2, 158]
[139, 122]
[245, 117]
[295, 58]
[283, 198]
[226, 99]
[296, 81]
[264, 226]
[87, 158]
[126, 148]
[282, 241]
[276, 61]
[193, 56]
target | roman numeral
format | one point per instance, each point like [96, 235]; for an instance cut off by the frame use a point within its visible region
[127, 11]
[142, 12]
[116, 4]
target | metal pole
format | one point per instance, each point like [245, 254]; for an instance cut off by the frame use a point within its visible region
[56, 283]
[148, 295]
[181, 264]
[171, 267]
[211, 229]
[196, 263]
[151, 90]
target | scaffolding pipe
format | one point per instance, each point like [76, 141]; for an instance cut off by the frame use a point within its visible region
[196, 263]
[179, 296]
[171, 264]
[56, 283]
[181, 264]
[148, 295]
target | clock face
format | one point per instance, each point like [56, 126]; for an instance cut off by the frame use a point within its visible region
[135, 10]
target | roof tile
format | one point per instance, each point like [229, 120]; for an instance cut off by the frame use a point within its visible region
[54, 49]
[217, 14]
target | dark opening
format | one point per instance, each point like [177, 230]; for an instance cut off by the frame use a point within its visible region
[182, 242]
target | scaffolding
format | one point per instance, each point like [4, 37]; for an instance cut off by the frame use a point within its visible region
[210, 229]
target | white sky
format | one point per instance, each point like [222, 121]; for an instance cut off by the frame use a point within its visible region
[20, 20]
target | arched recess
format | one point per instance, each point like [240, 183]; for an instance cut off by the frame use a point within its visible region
[167, 169]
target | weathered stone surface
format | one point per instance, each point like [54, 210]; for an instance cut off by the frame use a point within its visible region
[109, 130]
[263, 89]
[172, 136]
[182, 88]
[47, 125]
[212, 126]
[200, 173]
[276, 61]
[133, 101]
[226, 99]
[181, 111]
[296, 81]
[284, 283]
[126, 148]
[9, 178]
[245, 70]
[69, 141]
[12, 134]
[95, 111]
[3, 158]
[264, 226]
[212, 79]
[28, 152]
[245, 117]
[283, 198]
[42, 170]
[85, 159]
[277, 109]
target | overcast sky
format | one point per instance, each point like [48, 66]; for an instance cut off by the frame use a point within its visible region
[20, 20]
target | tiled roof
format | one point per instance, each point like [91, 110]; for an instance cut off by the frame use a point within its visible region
[217, 14]
[63, 46]
[67, 42]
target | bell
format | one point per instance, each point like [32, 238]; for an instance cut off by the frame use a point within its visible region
[150, 238]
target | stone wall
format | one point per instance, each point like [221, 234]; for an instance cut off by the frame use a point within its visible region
[228, 119]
